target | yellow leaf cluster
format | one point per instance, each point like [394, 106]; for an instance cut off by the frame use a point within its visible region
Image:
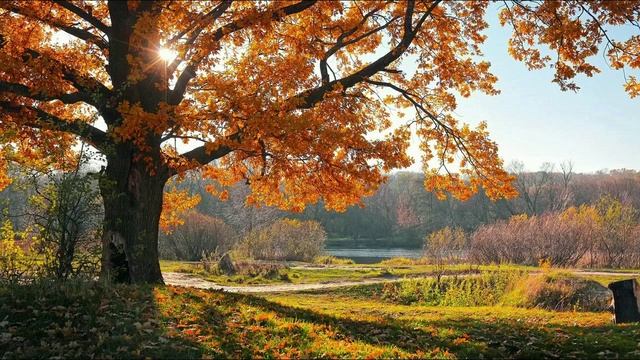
[175, 205]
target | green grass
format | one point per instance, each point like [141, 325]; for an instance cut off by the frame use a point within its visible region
[496, 331]
[334, 273]
[402, 261]
[89, 319]
[396, 267]
[179, 266]
[485, 289]
[332, 260]
[288, 275]
[615, 270]
[549, 290]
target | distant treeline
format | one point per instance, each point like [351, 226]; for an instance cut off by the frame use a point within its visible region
[401, 213]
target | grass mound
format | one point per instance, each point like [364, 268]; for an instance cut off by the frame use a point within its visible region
[483, 290]
[398, 261]
[550, 291]
[560, 292]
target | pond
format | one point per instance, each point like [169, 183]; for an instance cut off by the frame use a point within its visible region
[370, 256]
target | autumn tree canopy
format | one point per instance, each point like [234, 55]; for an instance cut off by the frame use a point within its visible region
[297, 98]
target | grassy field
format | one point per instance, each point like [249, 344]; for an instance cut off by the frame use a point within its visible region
[299, 273]
[91, 319]
[496, 331]
[285, 275]
[492, 314]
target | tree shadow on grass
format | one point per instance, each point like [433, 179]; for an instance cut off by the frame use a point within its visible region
[92, 320]
[468, 337]
[79, 319]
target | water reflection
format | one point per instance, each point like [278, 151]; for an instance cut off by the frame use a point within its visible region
[369, 256]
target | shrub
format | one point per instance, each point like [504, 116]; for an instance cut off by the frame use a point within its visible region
[17, 263]
[483, 290]
[285, 239]
[60, 235]
[65, 212]
[602, 235]
[561, 292]
[259, 269]
[618, 241]
[399, 261]
[58, 213]
[229, 265]
[445, 246]
[210, 262]
[332, 260]
[561, 239]
[199, 236]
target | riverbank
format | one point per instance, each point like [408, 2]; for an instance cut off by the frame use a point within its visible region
[373, 255]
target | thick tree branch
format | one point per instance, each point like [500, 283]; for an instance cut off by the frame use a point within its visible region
[23, 90]
[340, 43]
[204, 156]
[121, 29]
[309, 98]
[90, 134]
[85, 16]
[177, 94]
[85, 84]
[197, 28]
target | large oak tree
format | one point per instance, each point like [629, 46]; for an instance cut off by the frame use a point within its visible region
[294, 97]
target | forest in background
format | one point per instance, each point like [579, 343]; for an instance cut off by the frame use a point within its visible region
[560, 216]
[401, 213]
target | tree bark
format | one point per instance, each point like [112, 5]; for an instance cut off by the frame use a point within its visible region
[133, 203]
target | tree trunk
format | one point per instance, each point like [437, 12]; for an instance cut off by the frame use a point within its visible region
[133, 203]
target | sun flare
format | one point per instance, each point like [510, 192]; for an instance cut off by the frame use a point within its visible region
[167, 54]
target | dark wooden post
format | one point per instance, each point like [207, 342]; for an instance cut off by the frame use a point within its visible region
[625, 301]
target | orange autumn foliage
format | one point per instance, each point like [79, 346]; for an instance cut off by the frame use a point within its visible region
[301, 99]
[175, 205]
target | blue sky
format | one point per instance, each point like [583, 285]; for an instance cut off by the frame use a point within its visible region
[533, 121]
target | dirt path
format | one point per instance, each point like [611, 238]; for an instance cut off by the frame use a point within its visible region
[188, 280]
[181, 279]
